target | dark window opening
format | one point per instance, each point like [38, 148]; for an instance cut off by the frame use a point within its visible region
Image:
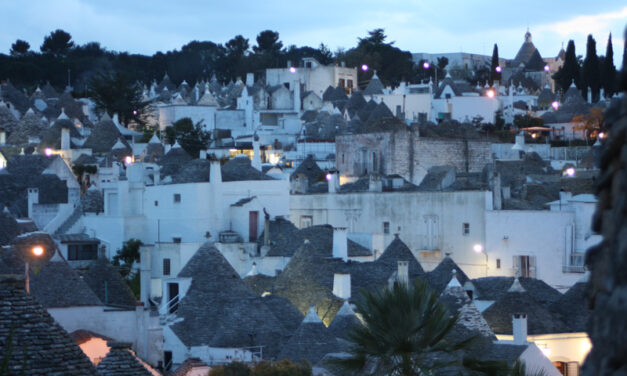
[466, 228]
[342, 83]
[156, 203]
[166, 266]
[386, 227]
[82, 252]
[167, 360]
[469, 293]
[177, 197]
[498, 263]
[176, 239]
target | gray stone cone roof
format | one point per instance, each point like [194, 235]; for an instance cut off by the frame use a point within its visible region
[240, 169]
[39, 346]
[310, 169]
[260, 283]
[311, 341]
[540, 320]
[374, 86]
[197, 170]
[121, 361]
[288, 240]
[282, 232]
[16, 97]
[154, 151]
[172, 161]
[447, 81]
[456, 300]
[220, 311]
[284, 310]
[51, 137]
[9, 228]
[188, 365]
[546, 97]
[439, 277]
[493, 288]
[573, 309]
[58, 285]
[343, 323]
[529, 56]
[92, 201]
[104, 135]
[8, 122]
[117, 291]
[30, 125]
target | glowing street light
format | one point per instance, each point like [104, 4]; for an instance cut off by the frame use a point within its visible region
[498, 69]
[490, 93]
[292, 69]
[128, 160]
[570, 172]
[48, 152]
[478, 248]
[547, 68]
[38, 250]
[555, 105]
[426, 65]
[364, 67]
[329, 176]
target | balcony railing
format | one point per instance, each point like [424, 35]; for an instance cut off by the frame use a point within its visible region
[575, 263]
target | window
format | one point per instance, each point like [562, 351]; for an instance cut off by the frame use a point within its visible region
[466, 228]
[77, 252]
[342, 83]
[447, 96]
[167, 360]
[156, 203]
[177, 197]
[349, 84]
[176, 239]
[166, 266]
[343, 158]
[498, 263]
[525, 266]
[374, 161]
[306, 221]
[386, 227]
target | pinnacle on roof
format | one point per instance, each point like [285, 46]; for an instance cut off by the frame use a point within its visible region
[154, 139]
[118, 145]
[453, 282]
[572, 83]
[30, 111]
[63, 116]
[312, 317]
[346, 310]
[253, 270]
[176, 144]
[516, 287]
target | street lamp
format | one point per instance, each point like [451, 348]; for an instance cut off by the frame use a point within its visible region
[478, 248]
[498, 69]
[37, 251]
[364, 67]
[426, 65]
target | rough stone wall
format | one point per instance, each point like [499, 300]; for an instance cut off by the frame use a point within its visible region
[409, 155]
[607, 289]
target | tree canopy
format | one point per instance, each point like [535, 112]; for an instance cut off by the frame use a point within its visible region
[58, 42]
[116, 93]
[569, 72]
[590, 75]
[20, 47]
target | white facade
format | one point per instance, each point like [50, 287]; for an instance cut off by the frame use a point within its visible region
[465, 108]
[172, 213]
[313, 76]
[430, 223]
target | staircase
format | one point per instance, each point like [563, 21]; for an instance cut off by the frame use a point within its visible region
[70, 221]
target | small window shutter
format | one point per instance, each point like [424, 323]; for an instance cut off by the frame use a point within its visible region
[572, 369]
[516, 265]
[532, 266]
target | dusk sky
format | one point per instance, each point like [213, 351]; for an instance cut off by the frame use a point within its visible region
[416, 26]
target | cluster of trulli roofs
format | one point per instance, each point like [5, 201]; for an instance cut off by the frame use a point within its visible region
[258, 248]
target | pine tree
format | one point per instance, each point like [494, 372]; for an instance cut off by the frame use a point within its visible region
[591, 79]
[608, 70]
[495, 75]
[569, 72]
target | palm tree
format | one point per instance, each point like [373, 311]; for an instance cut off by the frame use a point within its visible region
[405, 330]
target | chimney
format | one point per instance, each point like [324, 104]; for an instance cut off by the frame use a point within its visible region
[403, 272]
[340, 243]
[256, 162]
[33, 198]
[565, 196]
[342, 285]
[374, 183]
[519, 328]
[65, 138]
[296, 85]
[215, 172]
[203, 154]
[250, 79]
[589, 95]
[333, 181]
[3, 136]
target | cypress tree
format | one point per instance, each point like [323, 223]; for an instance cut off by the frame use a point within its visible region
[494, 74]
[570, 70]
[591, 79]
[608, 70]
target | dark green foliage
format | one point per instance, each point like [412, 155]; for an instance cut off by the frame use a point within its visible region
[591, 78]
[392, 64]
[526, 121]
[129, 252]
[404, 327]
[20, 47]
[58, 42]
[494, 75]
[117, 93]
[608, 70]
[570, 71]
[192, 137]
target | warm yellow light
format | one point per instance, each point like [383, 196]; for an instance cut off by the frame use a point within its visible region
[38, 250]
[478, 248]
[48, 152]
[128, 160]
[490, 93]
